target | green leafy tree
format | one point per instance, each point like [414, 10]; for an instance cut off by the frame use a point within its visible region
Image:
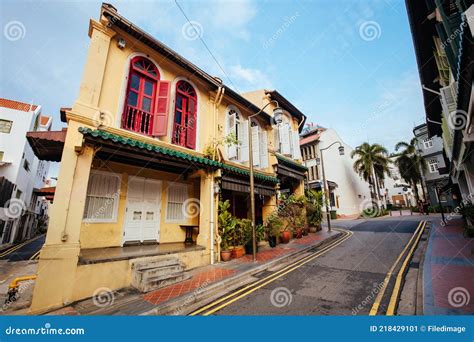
[372, 164]
[411, 165]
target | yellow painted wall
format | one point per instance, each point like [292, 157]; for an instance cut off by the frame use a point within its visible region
[95, 235]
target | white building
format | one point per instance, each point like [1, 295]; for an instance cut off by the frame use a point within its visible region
[397, 191]
[348, 192]
[20, 171]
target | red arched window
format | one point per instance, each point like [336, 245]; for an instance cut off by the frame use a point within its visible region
[184, 126]
[146, 104]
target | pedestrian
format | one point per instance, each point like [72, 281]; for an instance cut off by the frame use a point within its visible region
[420, 207]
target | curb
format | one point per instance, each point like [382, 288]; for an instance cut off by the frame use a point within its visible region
[189, 302]
[419, 309]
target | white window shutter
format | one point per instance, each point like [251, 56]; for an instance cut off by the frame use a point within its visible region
[263, 149]
[284, 132]
[255, 146]
[296, 145]
[231, 149]
[102, 195]
[244, 140]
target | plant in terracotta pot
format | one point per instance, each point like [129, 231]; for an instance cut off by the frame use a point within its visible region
[246, 226]
[273, 226]
[226, 225]
[238, 239]
[314, 209]
[291, 210]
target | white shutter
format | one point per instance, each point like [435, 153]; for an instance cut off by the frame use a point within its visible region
[231, 149]
[177, 195]
[284, 133]
[255, 146]
[244, 141]
[102, 196]
[296, 145]
[448, 98]
[263, 149]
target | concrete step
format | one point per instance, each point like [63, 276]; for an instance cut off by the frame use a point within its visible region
[152, 273]
[151, 263]
[146, 274]
[158, 282]
[161, 281]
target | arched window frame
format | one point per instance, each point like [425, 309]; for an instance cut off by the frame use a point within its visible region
[146, 98]
[235, 124]
[185, 115]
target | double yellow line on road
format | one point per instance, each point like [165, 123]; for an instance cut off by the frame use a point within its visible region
[245, 291]
[413, 242]
[14, 248]
[35, 256]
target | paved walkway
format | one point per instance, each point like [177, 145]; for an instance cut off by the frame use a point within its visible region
[132, 302]
[448, 271]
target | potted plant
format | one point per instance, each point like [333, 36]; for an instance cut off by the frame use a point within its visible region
[285, 234]
[238, 239]
[314, 209]
[246, 226]
[273, 226]
[292, 210]
[226, 226]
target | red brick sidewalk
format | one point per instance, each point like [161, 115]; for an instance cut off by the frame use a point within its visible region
[448, 271]
[221, 271]
[201, 278]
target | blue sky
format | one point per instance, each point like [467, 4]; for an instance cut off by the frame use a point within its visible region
[347, 64]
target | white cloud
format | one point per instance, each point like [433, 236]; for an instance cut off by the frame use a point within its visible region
[248, 78]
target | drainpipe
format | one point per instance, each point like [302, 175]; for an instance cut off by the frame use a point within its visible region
[219, 96]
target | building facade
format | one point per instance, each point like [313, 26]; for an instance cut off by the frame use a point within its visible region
[21, 172]
[435, 177]
[144, 161]
[443, 39]
[348, 193]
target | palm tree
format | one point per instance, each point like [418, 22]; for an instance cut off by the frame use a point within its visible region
[411, 165]
[372, 165]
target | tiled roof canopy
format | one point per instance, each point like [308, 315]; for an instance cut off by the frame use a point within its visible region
[173, 153]
[17, 105]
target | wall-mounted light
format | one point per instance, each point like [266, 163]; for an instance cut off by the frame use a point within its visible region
[121, 43]
[341, 150]
[217, 188]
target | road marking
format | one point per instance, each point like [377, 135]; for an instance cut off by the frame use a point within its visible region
[35, 256]
[263, 279]
[14, 248]
[271, 278]
[378, 299]
[396, 289]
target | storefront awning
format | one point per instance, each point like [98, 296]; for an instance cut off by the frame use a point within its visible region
[126, 150]
[319, 184]
[47, 145]
[290, 168]
[231, 183]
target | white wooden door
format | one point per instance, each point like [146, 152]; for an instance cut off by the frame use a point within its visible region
[142, 216]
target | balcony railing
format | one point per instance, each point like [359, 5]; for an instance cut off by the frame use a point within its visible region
[179, 135]
[137, 120]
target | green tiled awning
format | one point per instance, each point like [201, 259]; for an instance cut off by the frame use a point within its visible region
[290, 163]
[97, 133]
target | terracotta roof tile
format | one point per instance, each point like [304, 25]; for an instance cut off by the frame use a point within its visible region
[309, 139]
[44, 120]
[17, 105]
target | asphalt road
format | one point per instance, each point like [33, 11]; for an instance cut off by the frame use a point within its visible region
[25, 252]
[344, 281]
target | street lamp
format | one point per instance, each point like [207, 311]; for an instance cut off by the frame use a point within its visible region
[277, 118]
[326, 187]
